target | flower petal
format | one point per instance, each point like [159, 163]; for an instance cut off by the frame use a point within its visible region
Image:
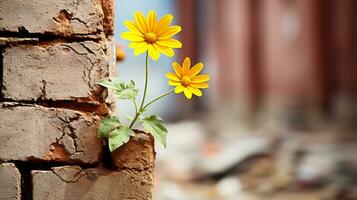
[132, 27]
[171, 31]
[170, 42]
[195, 70]
[164, 23]
[141, 50]
[132, 37]
[186, 66]
[177, 68]
[153, 52]
[187, 92]
[141, 22]
[200, 79]
[195, 91]
[172, 76]
[174, 83]
[137, 45]
[152, 21]
[165, 50]
[199, 85]
[178, 89]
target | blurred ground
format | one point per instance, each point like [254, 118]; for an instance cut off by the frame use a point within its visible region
[257, 164]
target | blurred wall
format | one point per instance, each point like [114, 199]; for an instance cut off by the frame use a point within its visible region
[287, 59]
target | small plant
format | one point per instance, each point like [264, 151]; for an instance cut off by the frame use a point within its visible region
[152, 37]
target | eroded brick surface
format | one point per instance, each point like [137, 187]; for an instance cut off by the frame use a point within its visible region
[10, 182]
[74, 183]
[137, 154]
[64, 17]
[55, 71]
[111, 99]
[108, 21]
[29, 132]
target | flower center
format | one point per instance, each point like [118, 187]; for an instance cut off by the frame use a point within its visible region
[185, 80]
[150, 37]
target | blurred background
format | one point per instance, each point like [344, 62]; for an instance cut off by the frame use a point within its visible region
[279, 121]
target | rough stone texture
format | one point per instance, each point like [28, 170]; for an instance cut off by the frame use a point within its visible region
[10, 182]
[138, 153]
[74, 183]
[64, 17]
[110, 46]
[56, 71]
[108, 21]
[29, 132]
[111, 99]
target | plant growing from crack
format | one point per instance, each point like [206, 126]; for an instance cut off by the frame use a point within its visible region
[152, 37]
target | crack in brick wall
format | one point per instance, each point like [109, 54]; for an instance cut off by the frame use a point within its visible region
[84, 106]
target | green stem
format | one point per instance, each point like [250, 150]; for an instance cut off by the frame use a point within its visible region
[145, 90]
[135, 106]
[157, 98]
[146, 80]
[148, 104]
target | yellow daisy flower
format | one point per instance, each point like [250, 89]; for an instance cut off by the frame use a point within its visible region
[148, 34]
[186, 79]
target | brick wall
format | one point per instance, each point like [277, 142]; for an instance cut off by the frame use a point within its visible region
[51, 55]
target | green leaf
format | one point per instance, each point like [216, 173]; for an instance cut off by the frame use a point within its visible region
[121, 89]
[154, 125]
[119, 137]
[127, 94]
[107, 125]
[131, 84]
[110, 83]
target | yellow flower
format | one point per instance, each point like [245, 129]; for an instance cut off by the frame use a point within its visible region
[186, 79]
[148, 34]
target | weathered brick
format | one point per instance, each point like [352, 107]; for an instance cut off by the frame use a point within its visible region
[74, 183]
[56, 71]
[111, 99]
[110, 47]
[29, 132]
[64, 17]
[108, 20]
[137, 154]
[10, 182]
